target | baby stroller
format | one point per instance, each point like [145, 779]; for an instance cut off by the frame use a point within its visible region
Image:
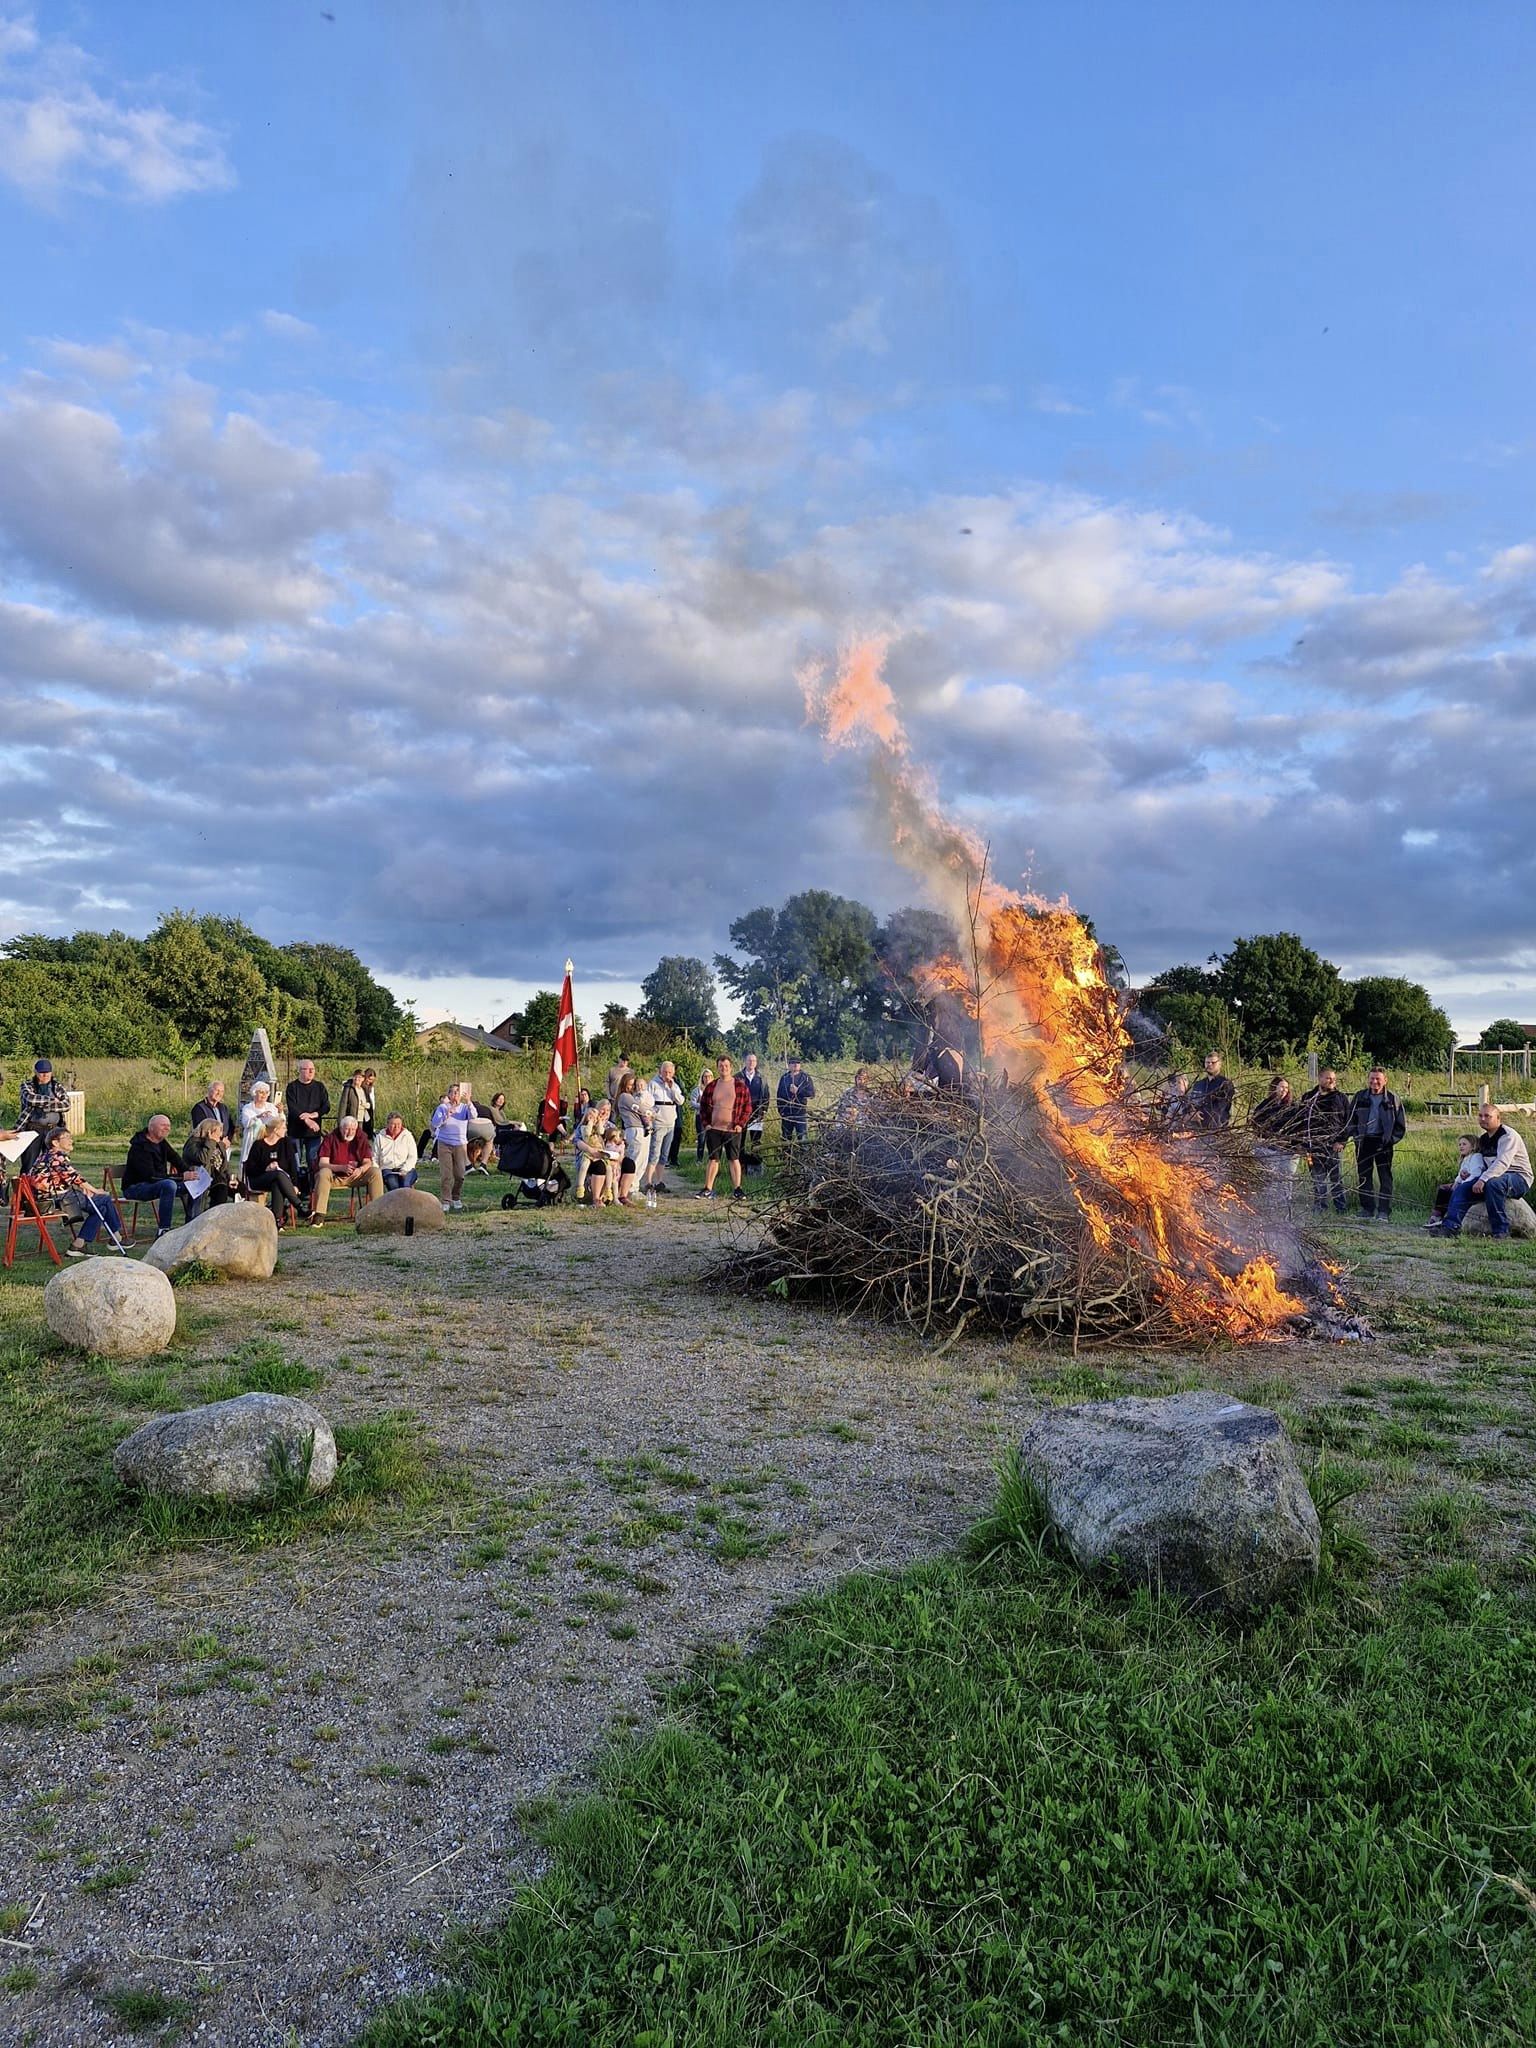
[530, 1160]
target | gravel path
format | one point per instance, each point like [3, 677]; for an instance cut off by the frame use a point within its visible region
[265, 1785]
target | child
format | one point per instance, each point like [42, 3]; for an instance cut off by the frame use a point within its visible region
[1471, 1168]
[613, 1146]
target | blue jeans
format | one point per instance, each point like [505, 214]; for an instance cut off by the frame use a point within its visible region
[399, 1180]
[163, 1194]
[98, 1209]
[1504, 1187]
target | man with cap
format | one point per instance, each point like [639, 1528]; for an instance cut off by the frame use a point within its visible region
[42, 1105]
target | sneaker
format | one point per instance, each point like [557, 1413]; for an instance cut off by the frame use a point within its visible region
[317, 1222]
[76, 1251]
[706, 1194]
[738, 1194]
[458, 1205]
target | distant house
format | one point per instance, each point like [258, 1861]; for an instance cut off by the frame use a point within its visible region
[508, 1029]
[450, 1035]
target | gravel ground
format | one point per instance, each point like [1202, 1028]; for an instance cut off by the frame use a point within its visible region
[267, 1784]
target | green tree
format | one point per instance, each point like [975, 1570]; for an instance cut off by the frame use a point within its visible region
[1397, 1022]
[805, 968]
[680, 993]
[614, 1021]
[1282, 992]
[211, 999]
[538, 1022]
[1197, 1023]
[1504, 1034]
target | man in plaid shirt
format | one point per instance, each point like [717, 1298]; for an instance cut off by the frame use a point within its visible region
[725, 1110]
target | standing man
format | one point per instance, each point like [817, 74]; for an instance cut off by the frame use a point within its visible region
[369, 1111]
[725, 1110]
[308, 1103]
[616, 1074]
[796, 1089]
[757, 1087]
[214, 1110]
[666, 1106]
[1211, 1098]
[154, 1173]
[1322, 1115]
[1506, 1176]
[1375, 1122]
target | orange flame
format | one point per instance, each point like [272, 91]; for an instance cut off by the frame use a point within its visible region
[1050, 1019]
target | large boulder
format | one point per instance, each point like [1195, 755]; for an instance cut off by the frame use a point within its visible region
[1197, 1494]
[1522, 1220]
[243, 1450]
[115, 1308]
[403, 1212]
[237, 1239]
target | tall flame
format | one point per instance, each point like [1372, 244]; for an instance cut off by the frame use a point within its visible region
[1049, 1018]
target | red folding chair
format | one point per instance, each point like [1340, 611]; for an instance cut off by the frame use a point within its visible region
[27, 1213]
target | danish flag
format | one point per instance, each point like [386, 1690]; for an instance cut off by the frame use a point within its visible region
[563, 1060]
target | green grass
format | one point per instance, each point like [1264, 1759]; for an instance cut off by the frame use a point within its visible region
[68, 1525]
[982, 1803]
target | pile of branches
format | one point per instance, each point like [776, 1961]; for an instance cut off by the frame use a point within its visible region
[946, 1212]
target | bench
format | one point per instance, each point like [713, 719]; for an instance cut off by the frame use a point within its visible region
[1452, 1105]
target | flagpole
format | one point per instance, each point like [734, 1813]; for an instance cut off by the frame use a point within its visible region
[575, 1033]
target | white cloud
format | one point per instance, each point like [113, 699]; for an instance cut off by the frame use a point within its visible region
[288, 326]
[61, 132]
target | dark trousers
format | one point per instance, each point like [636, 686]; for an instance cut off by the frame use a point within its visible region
[677, 1140]
[1327, 1180]
[1374, 1155]
[794, 1129]
[280, 1187]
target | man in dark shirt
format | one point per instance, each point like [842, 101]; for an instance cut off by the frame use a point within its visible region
[1211, 1098]
[1375, 1122]
[308, 1103]
[796, 1089]
[213, 1109]
[1323, 1114]
[154, 1173]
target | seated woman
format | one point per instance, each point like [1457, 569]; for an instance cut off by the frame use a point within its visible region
[208, 1148]
[266, 1172]
[1470, 1168]
[395, 1154]
[85, 1209]
[591, 1158]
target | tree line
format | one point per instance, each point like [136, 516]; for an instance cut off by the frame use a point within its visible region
[195, 984]
[1271, 998]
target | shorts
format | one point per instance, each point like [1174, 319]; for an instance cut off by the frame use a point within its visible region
[597, 1169]
[728, 1142]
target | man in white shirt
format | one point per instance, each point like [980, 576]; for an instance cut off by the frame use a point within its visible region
[666, 1104]
[1506, 1176]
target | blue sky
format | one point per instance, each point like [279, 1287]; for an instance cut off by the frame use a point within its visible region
[430, 438]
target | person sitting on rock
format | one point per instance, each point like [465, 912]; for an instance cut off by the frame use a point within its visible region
[58, 1179]
[345, 1161]
[154, 1173]
[395, 1154]
[268, 1167]
[1505, 1176]
[1470, 1168]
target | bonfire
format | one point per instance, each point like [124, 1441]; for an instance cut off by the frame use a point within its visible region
[1029, 1186]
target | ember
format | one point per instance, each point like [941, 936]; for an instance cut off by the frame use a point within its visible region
[1038, 1191]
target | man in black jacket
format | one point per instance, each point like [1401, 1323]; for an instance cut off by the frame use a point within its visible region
[154, 1173]
[1375, 1122]
[308, 1103]
[213, 1109]
[1209, 1102]
[1324, 1111]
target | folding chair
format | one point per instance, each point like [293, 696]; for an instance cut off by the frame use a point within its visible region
[29, 1214]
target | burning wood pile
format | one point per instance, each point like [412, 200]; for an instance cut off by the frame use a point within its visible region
[1021, 1183]
[948, 1211]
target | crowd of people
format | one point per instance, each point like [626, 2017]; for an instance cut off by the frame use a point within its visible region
[1320, 1126]
[292, 1152]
